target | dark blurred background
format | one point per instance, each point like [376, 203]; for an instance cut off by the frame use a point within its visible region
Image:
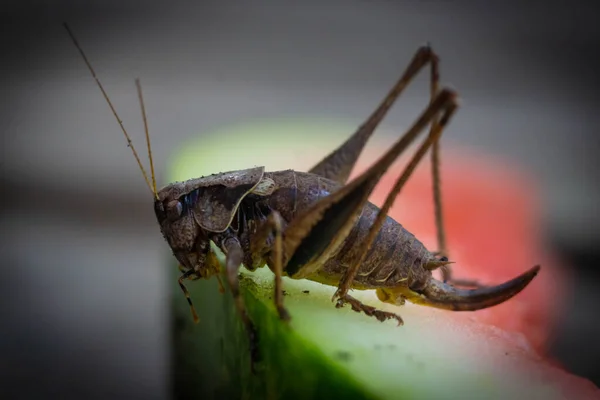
[85, 297]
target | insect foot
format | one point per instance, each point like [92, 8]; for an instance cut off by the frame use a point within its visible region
[284, 315]
[370, 311]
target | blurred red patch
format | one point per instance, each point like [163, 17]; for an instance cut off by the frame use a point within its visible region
[491, 214]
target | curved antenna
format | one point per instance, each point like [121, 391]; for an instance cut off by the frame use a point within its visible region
[141, 98]
[129, 142]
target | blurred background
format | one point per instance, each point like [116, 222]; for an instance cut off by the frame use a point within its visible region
[84, 289]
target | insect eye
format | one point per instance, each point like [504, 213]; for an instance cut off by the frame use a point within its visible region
[174, 210]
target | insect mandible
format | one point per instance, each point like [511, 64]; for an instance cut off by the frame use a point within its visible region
[316, 225]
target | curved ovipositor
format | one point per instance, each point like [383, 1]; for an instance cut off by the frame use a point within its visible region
[441, 295]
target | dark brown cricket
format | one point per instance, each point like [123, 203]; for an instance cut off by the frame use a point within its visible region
[316, 225]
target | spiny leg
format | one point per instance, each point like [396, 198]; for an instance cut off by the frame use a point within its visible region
[313, 236]
[187, 275]
[346, 282]
[435, 173]
[233, 262]
[442, 251]
[339, 164]
[259, 245]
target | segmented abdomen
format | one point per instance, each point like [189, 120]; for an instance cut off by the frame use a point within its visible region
[396, 255]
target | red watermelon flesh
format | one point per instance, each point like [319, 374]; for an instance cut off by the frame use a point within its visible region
[493, 229]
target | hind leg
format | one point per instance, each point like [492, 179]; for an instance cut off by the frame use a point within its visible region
[342, 292]
[338, 165]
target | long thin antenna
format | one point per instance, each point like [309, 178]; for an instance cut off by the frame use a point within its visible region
[141, 97]
[129, 142]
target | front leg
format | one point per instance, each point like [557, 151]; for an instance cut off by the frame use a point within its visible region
[233, 262]
[194, 277]
[260, 246]
[208, 267]
[189, 274]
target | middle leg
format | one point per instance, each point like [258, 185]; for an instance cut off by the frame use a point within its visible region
[442, 248]
[233, 262]
[260, 244]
